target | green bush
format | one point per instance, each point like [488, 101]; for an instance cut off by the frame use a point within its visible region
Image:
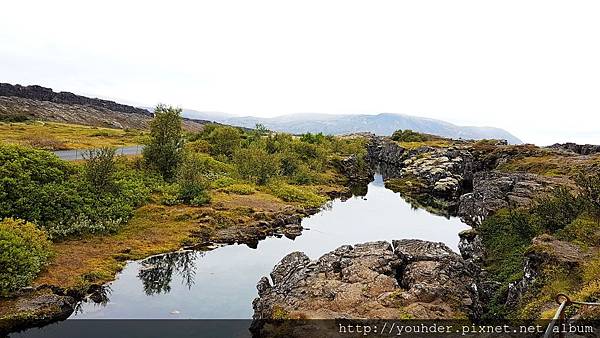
[583, 230]
[14, 118]
[224, 141]
[193, 180]
[170, 194]
[100, 168]
[223, 182]
[290, 193]
[506, 235]
[256, 164]
[24, 250]
[38, 187]
[589, 185]
[408, 135]
[240, 189]
[556, 210]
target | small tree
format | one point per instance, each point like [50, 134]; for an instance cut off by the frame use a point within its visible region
[100, 168]
[224, 141]
[192, 180]
[164, 150]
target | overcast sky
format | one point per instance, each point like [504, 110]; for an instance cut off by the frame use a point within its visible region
[531, 67]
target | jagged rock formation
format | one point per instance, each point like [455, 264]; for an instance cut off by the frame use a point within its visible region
[494, 190]
[356, 170]
[581, 149]
[40, 103]
[39, 93]
[411, 278]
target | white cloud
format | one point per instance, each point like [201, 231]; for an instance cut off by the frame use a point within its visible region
[531, 67]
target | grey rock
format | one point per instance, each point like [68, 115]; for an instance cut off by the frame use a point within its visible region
[494, 190]
[371, 280]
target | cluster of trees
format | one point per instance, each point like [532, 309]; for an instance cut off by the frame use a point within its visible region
[190, 162]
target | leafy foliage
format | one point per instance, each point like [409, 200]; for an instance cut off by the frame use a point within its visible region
[38, 187]
[224, 141]
[256, 164]
[408, 135]
[192, 180]
[100, 168]
[24, 250]
[164, 151]
[590, 192]
[557, 210]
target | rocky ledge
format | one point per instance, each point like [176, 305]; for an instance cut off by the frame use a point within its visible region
[35, 307]
[375, 280]
[494, 190]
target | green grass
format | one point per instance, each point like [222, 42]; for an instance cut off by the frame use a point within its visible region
[61, 136]
[301, 194]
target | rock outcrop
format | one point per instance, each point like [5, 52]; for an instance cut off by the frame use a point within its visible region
[409, 279]
[35, 307]
[581, 149]
[40, 103]
[357, 170]
[40, 93]
[494, 190]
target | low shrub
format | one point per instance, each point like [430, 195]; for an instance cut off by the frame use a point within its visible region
[290, 193]
[24, 251]
[408, 135]
[240, 189]
[223, 182]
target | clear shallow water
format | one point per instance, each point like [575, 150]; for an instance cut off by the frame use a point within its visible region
[222, 283]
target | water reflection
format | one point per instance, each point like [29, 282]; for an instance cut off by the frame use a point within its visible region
[221, 283]
[156, 272]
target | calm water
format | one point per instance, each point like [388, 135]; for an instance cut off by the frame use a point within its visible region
[222, 283]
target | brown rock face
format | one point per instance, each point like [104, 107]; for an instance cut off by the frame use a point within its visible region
[409, 279]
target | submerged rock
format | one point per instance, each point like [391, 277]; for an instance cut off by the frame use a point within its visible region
[375, 280]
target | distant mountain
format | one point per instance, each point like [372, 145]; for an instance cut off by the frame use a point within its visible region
[380, 124]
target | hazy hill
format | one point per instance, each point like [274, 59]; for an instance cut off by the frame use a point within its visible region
[380, 124]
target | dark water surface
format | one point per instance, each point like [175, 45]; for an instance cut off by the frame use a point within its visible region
[222, 283]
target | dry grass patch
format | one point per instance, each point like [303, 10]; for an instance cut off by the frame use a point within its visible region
[96, 259]
[61, 136]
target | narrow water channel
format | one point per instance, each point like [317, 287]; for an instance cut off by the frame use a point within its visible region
[222, 283]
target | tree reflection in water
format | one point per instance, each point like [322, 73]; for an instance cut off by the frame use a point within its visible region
[156, 272]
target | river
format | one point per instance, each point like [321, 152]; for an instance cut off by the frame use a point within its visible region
[222, 283]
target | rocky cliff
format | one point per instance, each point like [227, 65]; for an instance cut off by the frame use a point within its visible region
[40, 103]
[473, 180]
[39, 93]
[404, 279]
